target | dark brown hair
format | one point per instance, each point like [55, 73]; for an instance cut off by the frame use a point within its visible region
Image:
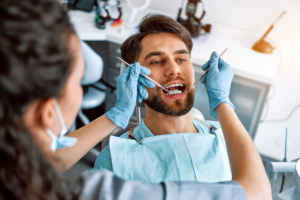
[151, 24]
[35, 64]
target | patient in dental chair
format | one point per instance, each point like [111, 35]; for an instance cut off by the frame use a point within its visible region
[174, 146]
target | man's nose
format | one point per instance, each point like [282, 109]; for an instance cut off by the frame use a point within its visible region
[173, 69]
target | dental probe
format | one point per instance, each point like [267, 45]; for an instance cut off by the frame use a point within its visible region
[204, 73]
[147, 77]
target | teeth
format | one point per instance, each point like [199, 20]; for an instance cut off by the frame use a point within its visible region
[173, 92]
[174, 85]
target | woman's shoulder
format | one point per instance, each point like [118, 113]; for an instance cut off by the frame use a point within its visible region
[103, 184]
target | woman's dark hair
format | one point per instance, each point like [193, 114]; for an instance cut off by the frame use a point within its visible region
[151, 24]
[35, 63]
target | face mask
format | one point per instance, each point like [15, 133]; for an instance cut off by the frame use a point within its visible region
[61, 141]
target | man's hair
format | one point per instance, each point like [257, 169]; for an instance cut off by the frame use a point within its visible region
[152, 24]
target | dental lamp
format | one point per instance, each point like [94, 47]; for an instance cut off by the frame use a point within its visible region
[264, 46]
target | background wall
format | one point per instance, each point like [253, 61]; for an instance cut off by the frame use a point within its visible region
[256, 16]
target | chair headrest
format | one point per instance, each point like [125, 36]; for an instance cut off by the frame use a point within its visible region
[93, 65]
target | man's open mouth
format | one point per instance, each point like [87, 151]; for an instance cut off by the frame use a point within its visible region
[177, 88]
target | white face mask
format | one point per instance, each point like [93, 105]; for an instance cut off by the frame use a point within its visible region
[61, 141]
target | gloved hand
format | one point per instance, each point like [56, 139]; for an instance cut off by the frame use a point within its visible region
[130, 87]
[217, 82]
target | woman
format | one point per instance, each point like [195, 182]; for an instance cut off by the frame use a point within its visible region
[42, 67]
[40, 95]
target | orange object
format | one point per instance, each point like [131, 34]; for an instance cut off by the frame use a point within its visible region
[117, 23]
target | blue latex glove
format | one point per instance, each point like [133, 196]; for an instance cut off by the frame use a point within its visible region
[217, 82]
[130, 87]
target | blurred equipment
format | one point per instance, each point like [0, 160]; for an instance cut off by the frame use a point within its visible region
[284, 159]
[103, 17]
[273, 168]
[135, 9]
[86, 5]
[264, 46]
[193, 24]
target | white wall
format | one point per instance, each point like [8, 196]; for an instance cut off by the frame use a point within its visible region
[257, 16]
[252, 15]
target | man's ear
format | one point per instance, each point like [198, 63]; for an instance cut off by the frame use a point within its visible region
[48, 117]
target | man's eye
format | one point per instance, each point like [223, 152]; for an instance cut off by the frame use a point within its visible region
[181, 60]
[156, 62]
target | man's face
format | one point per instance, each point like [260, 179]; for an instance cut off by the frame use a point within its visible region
[166, 55]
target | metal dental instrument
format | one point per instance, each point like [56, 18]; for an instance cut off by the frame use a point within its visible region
[204, 73]
[286, 143]
[147, 77]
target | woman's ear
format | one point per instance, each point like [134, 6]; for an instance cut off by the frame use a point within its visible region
[41, 115]
[48, 117]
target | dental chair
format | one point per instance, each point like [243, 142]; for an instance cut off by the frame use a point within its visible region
[94, 91]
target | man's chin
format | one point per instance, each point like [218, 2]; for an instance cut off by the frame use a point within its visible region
[171, 107]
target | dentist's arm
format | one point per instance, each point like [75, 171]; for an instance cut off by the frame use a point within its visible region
[130, 87]
[246, 164]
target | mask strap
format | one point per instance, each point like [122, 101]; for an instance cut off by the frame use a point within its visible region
[51, 134]
[60, 118]
[54, 139]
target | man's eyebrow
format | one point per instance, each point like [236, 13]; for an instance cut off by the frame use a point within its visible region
[154, 53]
[181, 51]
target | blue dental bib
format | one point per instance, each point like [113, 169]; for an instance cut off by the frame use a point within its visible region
[198, 157]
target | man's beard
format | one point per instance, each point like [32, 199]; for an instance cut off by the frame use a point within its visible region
[181, 108]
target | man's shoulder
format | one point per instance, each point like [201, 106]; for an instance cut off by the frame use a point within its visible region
[203, 127]
[215, 124]
[106, 149]
[103, 160]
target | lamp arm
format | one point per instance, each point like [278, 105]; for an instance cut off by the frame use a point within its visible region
[268, 31]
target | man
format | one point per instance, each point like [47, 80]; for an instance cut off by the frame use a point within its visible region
[164, 47]
[94, 184]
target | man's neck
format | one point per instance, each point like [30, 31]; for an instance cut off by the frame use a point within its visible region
[160, 124]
